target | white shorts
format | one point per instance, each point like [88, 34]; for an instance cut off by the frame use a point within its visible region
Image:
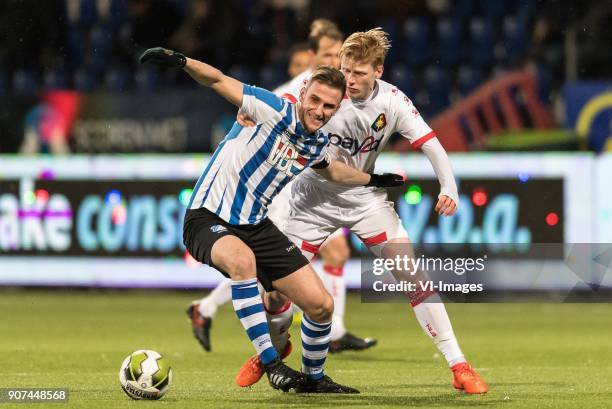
[314, 214]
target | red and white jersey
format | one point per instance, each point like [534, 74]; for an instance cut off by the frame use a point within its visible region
[359, 131]
[291, 89]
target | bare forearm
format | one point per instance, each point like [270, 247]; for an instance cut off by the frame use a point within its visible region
[209, 76]
[203, 73]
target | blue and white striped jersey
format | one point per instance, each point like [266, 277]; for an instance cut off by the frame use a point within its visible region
[252, 164]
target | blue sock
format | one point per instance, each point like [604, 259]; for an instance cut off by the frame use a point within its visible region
[315, 344]
[250, 311]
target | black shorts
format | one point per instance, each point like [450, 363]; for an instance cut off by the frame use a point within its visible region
[275, 255]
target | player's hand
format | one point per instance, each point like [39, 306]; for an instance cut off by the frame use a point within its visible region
[164, 57]
[244, 120]
[385, 180]
[446, 206]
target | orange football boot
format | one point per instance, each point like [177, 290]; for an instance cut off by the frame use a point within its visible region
[467, 379]
[252, 370]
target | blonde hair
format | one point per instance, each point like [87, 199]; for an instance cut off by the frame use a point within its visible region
[320, 28]
[367, 46]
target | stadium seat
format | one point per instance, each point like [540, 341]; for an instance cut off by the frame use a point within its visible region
[391, 27]
[84, 79]
[147, 78]
[450, 41]
[117, 79]
[100, 42]
[515, 38]
[117, 14]
[182, 6]
[242, 73]
[75, 47]
[468, 79]
[544, 83]
[271, 76]
[25, 83]
[463, 9]
[88, 13]
[403, 78]
[437, 87]
[55, 79]
[417, 44]
[4, 85]
[482, 41]
[493, 9]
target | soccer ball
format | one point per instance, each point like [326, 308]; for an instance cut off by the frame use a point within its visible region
[145, 374]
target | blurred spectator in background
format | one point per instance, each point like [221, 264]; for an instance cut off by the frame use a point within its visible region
[149, 23]
[299, 59]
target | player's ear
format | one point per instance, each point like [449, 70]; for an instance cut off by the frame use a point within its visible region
[378, 71]
[302, 93]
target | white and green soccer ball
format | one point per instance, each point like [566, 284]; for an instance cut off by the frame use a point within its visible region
[145, 374]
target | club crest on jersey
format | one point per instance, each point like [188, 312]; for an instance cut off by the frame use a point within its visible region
[379, 123]
[284, 157]
[217, 228]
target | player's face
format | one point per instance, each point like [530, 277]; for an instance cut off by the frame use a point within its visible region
[327, 55]
[299, 63]
[318, 102]
[360, 77]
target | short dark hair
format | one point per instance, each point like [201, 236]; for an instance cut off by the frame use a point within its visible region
[330, 77]
[320, 28]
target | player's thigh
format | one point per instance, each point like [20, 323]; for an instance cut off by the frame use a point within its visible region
[380, 229]
[234, 257]
[335, 249]
[210, 240]
[276, 256]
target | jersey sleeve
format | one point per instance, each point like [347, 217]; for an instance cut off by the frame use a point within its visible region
[291, 90]
[410, 124]
[261, 105]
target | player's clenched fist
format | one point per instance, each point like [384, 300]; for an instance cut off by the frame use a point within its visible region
[164, 57]
[446, 206]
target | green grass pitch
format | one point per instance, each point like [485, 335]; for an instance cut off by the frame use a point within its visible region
[532, 355]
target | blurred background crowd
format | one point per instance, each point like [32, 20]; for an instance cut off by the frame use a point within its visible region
[65, 64]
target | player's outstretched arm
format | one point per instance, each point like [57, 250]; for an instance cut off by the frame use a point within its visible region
[340, 172]
[207, 75]
[448, 199]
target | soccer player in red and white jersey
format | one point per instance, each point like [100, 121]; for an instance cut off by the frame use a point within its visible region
[373, 111]
[324, 43]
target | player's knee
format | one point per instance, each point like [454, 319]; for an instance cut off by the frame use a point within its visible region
[323, 310]
[275, 301]
[335, 252]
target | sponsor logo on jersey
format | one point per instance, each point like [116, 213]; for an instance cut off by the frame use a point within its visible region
[217, 228]
[284, 157]
[353, 145]
[379, 123]
[290, 248]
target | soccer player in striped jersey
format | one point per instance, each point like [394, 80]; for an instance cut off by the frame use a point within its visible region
[359, 131]
[226, 225]
[324, 43]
